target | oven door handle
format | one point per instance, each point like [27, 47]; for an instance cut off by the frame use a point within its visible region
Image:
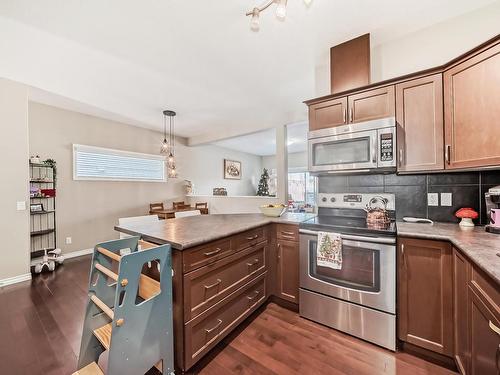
[354, 238]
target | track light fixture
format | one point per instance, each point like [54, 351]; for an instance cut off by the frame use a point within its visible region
[280, 12]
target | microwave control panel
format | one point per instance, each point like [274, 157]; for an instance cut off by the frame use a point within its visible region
[386, 147]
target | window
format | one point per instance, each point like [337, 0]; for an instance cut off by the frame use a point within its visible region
[96, 163]
[301, 191]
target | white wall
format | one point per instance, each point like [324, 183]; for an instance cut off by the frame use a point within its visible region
[233, 205]
[87, 211]
[436, 44]
[422, 49]
[204, 166]
[15, 175]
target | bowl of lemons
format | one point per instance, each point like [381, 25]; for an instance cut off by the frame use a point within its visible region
[273, 210]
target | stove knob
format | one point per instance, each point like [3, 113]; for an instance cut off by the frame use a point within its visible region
[332, 199]
[323, 199]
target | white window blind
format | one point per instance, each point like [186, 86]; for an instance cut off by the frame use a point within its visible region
[96, 163]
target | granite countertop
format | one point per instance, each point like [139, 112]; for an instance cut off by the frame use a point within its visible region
[481, 247]
[190, 231]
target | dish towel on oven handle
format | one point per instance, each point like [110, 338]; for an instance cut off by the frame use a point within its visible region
[329, 250]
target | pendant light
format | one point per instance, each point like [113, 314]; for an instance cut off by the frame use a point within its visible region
[171, 170]
[164, 144]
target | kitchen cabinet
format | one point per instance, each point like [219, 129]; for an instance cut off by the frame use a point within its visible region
[368, 105]
[372, 105]
[461, 275]
[288, 269]
[425, 294]
[328, 114]
[472, 110]
[484, 340]
[484, 324]
[419, 115]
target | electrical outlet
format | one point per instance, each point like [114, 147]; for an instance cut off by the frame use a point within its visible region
[432, 199]
[68, 240]
[21, 205]
[446, 199]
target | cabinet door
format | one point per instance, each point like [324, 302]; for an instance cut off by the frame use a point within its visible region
[425, 294]
[328, 114]
[484, 340]
[461, 276]
[419, 114]
[372, 105]
[472, 111]
[288, 270]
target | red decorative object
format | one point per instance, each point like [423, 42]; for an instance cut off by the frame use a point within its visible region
[48, 192]
[466, 213]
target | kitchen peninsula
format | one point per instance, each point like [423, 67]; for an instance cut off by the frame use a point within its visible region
[224, 268]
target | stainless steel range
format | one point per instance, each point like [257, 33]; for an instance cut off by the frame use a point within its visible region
[360, 297]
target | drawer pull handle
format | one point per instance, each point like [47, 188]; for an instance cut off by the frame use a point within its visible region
[210, 253]
[288, 233]
[253, 237]
[213, 285]
[210, 330]
[494, 328]
[250, 298]
[288, 237]
[255, 261]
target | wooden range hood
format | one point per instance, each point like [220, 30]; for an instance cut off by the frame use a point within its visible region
[350, 64]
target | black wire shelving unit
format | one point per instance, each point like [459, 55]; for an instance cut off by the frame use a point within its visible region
[42, 222]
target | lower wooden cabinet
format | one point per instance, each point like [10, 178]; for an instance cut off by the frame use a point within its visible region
[484, 340]
[461, 276]
[288, 270]
[448, 306]
[425, 294]
[207, 329]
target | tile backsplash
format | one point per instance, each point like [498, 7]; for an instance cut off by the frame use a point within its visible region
[467, 190]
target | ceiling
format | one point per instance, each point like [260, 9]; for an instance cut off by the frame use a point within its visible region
[132, 59]
[263, 143]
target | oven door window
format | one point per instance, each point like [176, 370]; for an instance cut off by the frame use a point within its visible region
[360, 268]
[346, 151]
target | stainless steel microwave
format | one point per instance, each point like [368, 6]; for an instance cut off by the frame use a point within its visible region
[361, 147]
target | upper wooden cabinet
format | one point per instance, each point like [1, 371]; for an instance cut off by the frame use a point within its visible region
[328, 114]
[425, 294]
[372, 104]
[368, 105]
[472, 111]
[419, 114]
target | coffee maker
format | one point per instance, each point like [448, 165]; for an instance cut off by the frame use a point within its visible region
[492, 198]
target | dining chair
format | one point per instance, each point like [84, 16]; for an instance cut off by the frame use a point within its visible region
[187, 213]
[202, 206]
[156, 207]
[178, 205]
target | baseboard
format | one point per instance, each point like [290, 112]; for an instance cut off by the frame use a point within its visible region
[15, 279]
[78, 253]
[72, 254]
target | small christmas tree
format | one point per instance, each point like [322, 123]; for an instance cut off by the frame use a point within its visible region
[264, 184]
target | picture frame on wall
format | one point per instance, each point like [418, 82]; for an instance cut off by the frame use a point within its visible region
[36, 207]
[232, 169]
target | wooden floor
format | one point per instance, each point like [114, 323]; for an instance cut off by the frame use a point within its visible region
[41, 322]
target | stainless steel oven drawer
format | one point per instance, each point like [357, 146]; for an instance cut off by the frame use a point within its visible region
[368, 324]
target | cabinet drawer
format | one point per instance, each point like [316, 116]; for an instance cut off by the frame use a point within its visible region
[206, 330]
[287, 232]
[486, 290]
[206, 286]
[249, 238]
[201, 256]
